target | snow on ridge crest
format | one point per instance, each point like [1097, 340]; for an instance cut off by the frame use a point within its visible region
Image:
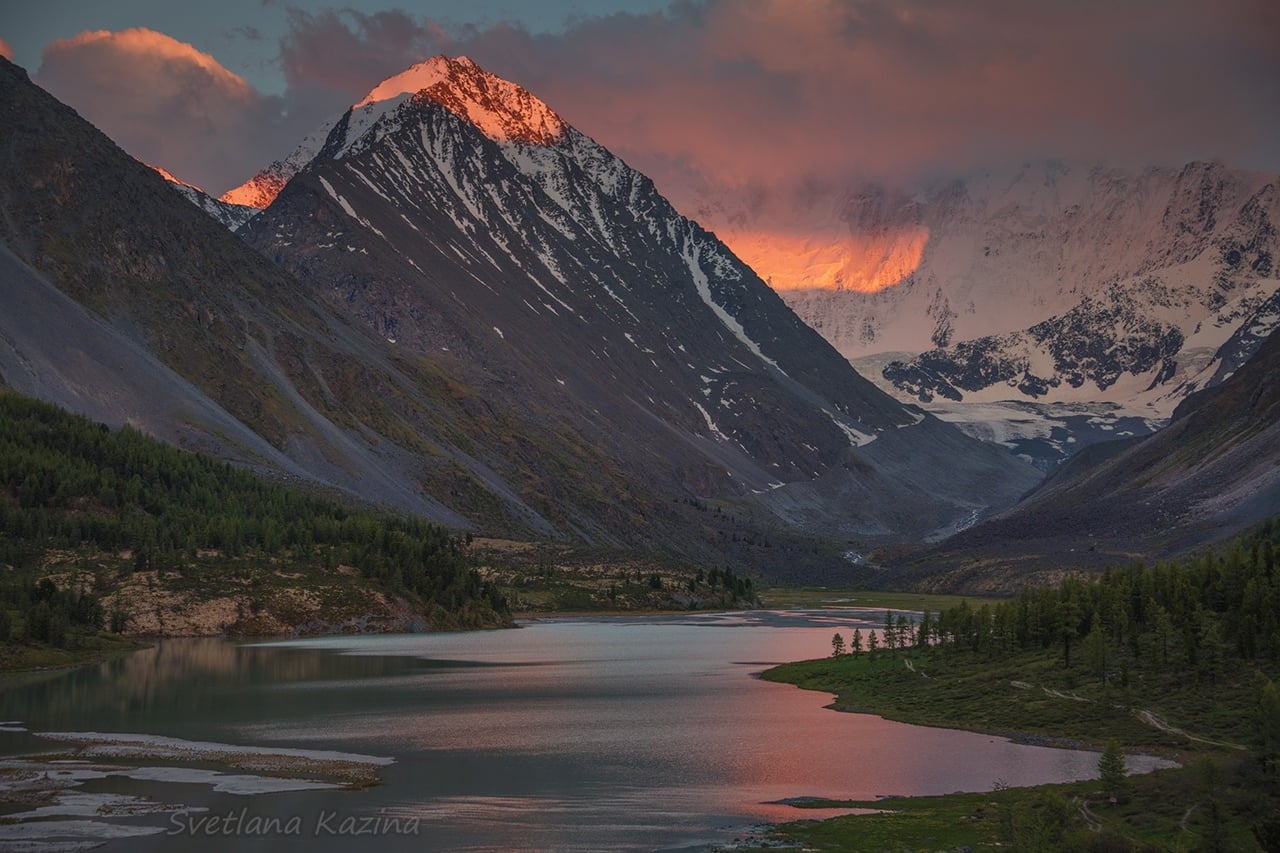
[502, 110]
[413, 79]
[262, 189]
[171, 177]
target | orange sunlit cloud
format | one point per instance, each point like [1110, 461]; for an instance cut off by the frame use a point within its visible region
[162, 100]
[860, 262]
[779, 92]
[722, 92]
[152, 49]
[5, 50]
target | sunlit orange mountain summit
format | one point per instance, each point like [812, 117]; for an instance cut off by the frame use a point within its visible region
[501, 110]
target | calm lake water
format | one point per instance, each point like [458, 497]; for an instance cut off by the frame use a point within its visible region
[568, 734]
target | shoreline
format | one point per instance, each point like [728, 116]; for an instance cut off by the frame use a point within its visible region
[969, 694]
[975, 811]
[1024, 735]
[27, 661]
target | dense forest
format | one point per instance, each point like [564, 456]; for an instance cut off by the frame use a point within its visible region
[1199, 616]
[119, 501]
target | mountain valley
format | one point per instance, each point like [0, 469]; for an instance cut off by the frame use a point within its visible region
[478, 314]
[1213, 473]
[551, 374]
[494, 323]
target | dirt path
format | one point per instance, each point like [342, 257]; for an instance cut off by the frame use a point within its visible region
[1091, 819]
[1148, 717]
[1057, 694]
[1060, 695]
[912, 667]
[1152, 720]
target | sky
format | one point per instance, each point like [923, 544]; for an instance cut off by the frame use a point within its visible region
[695, 93]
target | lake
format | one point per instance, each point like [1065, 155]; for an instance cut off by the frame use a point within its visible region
[608, 733]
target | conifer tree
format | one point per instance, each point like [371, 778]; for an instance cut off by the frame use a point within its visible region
[1111, 769]
[924, 629]
[1267, 723]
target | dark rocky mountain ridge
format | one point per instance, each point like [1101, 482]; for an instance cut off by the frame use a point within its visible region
[563, 275]
[230, 215]
[1213, 473]
[508, 402]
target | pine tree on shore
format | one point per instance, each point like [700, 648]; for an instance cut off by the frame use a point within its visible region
[1111, 769]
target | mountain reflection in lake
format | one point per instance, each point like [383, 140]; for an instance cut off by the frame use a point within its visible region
[569, 734]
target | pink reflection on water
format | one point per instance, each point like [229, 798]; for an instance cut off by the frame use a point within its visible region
[669, 716]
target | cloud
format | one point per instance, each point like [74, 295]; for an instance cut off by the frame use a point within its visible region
[166, 103]
[760, 88]
[767, 93]
[171, 105]
[773, 92]
[351, 51]
[5, 50]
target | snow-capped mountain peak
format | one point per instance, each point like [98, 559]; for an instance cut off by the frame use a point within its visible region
[467, 222]
[262, 189]
[1036, 287]
[415, 78]
[501, 110]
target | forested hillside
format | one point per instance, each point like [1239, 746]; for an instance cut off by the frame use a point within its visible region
[95, 511]
[1213, 612]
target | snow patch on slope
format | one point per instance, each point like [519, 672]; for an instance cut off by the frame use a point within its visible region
[349, 210]
[692, 257]
[857, 438]
[711, 425]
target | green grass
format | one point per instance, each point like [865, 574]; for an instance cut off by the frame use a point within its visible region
[969, 691]
[1219, 793]
[16, 656]
[1166, 810]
